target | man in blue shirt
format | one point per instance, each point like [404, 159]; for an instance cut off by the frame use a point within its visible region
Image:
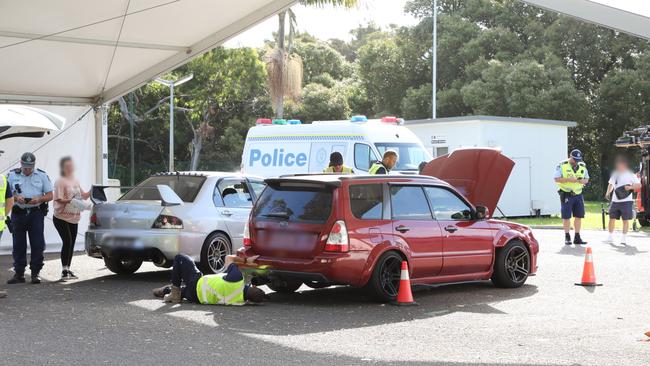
[32, 190]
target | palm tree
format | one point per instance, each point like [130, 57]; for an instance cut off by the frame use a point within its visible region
[284, 68]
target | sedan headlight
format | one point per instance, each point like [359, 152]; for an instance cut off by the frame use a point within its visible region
[167, 222]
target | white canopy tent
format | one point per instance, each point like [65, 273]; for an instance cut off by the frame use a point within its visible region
[627, 16]
[90, 52]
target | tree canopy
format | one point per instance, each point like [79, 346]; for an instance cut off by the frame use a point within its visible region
[494, 57]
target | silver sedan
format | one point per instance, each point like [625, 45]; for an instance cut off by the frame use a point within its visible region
[201, 214]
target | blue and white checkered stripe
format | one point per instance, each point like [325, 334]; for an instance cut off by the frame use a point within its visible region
[309, 138]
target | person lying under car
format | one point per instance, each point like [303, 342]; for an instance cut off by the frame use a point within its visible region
[227, 288]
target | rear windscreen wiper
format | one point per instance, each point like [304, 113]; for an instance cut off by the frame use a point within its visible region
[282, 215]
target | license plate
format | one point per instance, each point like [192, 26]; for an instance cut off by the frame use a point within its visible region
[127, 243]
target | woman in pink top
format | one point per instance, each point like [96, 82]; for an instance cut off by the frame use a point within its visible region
[68, 203]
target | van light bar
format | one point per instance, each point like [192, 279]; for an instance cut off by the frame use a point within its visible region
[359, 118]
[393, 120]
[263, 121]
[279, 121]
[294, 122]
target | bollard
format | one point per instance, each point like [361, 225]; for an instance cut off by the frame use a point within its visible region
[602, 214]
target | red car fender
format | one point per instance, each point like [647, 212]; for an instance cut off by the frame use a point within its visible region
[504, 236]
[376, 253]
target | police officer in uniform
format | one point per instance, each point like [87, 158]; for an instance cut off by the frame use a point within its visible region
[336, 165]
[388, 162]
[571, 175]
[32, 190]
[6, 204]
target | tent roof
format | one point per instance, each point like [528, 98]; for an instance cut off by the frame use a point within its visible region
[630, 16]
[92, 51]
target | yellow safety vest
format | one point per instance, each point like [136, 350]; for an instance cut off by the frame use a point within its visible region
[3, 192]
[567, 172]
[375, 167]
[344, 170]
[214, 290]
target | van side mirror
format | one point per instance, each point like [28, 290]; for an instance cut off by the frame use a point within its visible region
[481, 212]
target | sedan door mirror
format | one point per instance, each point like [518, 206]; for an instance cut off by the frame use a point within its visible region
[481, 212]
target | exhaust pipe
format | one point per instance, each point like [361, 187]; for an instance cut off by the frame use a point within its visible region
[159, 260]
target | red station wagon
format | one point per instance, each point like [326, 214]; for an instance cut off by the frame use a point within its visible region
[324, 230]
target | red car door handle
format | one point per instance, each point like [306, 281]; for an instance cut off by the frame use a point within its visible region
[451, 228]
[402, 229]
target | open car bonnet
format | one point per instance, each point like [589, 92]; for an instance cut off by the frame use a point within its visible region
[480, 174]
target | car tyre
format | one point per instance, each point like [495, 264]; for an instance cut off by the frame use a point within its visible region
[511, 265]
[285, 287]
[384, 282]
[122, 265]
[213, 253]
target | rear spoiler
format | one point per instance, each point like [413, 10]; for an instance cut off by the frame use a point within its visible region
[167, 195]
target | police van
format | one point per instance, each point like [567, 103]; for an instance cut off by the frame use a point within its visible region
[280, 147]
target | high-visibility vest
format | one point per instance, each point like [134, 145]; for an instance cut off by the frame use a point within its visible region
[567, 172]
[344, 170]
[3, 192]
[214, 290]
[375, 167]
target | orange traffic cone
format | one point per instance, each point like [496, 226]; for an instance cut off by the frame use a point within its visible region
[404, 295]
[588, 273]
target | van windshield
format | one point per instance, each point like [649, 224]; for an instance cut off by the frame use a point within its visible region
[312, 204]
[410, 154]
[185, 186]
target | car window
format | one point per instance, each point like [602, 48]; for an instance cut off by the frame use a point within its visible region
[366, 201]
[446, 205]
[295, 203]
[409, 203]
[257, 186]
[233, 193]
[185, 186]
[363, 156]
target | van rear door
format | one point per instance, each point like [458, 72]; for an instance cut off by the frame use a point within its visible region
[290, 219]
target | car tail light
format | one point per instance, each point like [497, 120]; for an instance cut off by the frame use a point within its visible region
[247, 235]
[337, 240]
[167, 222]
[93, 220]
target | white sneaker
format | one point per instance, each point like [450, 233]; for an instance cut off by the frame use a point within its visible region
[609, 239]
[623, 240]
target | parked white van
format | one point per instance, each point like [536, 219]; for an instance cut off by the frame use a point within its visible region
[280, 147]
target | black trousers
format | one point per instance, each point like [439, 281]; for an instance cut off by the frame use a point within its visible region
[185, 272]
[68, 233]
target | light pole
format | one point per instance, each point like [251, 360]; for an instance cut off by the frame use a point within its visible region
[434, 56]
[171, 84]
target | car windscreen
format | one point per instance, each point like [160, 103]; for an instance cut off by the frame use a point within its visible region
[186, 187]
[410, 154]
[310, 203]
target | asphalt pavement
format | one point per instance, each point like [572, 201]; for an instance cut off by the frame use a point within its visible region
[107, 319]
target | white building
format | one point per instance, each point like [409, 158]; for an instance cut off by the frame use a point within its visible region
[536, 146]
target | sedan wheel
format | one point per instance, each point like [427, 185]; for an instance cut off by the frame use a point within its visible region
[213, 255]
[512, 265]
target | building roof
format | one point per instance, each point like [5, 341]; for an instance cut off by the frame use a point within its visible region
[80, 52]
[492, 119]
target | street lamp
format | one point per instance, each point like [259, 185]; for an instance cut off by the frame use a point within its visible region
[171, 84]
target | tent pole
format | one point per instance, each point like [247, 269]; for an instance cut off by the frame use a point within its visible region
[101, 144]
